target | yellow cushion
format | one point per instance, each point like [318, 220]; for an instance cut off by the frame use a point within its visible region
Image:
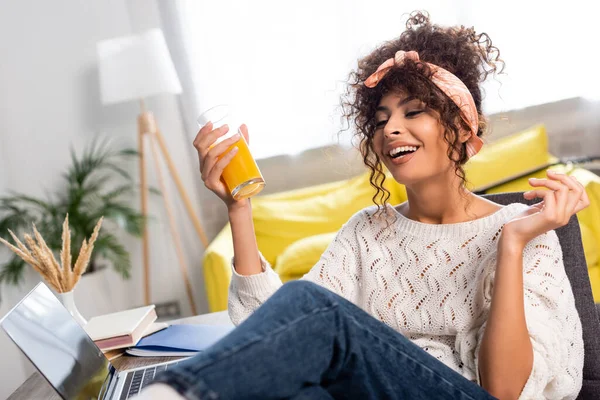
[590, 245]
[509, 156]
[590, 218]
[299, 257]
[280, 221]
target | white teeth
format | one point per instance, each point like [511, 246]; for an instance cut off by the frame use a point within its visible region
[402, 148]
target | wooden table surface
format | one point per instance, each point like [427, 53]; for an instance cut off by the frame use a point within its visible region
[37, 388]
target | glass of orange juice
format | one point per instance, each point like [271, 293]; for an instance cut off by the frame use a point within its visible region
[241, 176]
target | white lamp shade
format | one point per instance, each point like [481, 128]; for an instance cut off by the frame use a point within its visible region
[134, 67]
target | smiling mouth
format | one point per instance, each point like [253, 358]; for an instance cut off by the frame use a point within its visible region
[401, 152]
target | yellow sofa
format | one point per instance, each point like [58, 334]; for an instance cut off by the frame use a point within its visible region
[293, 228]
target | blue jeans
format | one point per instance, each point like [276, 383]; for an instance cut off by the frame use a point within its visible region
[306, 342]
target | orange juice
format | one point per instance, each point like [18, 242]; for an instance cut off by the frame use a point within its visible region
[242, 176]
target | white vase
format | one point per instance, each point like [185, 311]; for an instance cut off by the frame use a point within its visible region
[99, 293]
[69, 302]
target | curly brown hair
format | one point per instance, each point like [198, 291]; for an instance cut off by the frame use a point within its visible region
[461, 51]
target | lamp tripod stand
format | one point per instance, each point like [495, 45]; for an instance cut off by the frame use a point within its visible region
[148, 131]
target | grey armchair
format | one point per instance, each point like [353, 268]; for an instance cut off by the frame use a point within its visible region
[576, 268]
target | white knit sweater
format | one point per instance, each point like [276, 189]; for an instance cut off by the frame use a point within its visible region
[433, 284]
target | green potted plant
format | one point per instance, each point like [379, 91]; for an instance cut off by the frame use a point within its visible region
[96, 185]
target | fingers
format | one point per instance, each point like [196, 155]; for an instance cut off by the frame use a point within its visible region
[569, 196]
[214, 176]
[584, 200]
[576, 191]
[207, 136]
[205, 128]
[549, 207]
[539, 206]
[201, 133]
[577, 196]
[212, 156]
[559, 191]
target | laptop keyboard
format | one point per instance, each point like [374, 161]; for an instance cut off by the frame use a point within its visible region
[139, 379]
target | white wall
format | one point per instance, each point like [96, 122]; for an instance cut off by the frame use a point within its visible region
[49, 101]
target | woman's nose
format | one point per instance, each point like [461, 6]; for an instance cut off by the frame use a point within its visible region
[388, 133]
[392, 128]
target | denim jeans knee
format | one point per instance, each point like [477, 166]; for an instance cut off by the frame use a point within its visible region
[302, 288]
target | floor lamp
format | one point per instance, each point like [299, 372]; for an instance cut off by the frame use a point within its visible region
[132, 68]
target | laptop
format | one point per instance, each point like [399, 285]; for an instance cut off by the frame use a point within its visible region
[65, 355]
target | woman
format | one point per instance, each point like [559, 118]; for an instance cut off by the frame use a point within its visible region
[445, 296]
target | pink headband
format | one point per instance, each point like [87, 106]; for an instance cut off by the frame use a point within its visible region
[448, 83]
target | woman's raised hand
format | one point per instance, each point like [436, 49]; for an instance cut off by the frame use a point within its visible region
[565, 197]
[213, 159]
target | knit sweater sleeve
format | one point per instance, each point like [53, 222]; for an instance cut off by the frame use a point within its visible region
[552, 321]
[248, 292]
[335, 270]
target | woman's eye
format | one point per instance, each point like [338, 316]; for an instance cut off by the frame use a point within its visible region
[410, 114]
[413, 113]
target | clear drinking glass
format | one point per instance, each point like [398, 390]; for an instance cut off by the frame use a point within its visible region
[241, 176]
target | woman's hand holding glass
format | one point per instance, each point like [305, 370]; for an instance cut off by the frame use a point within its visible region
[214, 159]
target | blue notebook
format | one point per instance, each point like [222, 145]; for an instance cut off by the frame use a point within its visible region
[180, 340]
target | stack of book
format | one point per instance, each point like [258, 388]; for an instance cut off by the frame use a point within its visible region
[113, 333]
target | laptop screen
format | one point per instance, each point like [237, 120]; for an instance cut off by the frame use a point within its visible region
[56, 344]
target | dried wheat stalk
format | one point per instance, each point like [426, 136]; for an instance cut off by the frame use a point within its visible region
[45, 266]
[22, 251]
[31, 260]
[49, 258]
[65, 254]
[21, 245]
[84, 258]
[60, 276]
